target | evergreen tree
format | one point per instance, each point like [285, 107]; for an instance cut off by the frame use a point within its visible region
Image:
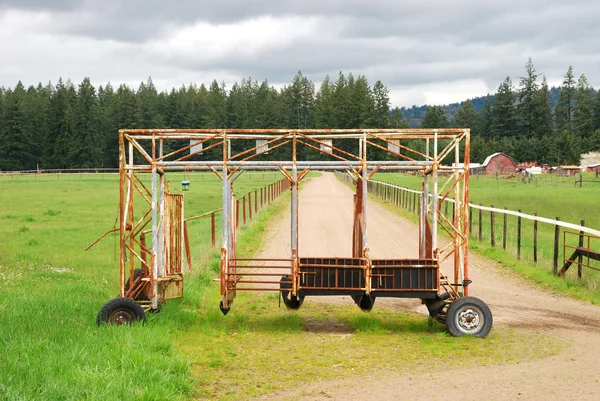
[86, 150]
[434, 118]
[397, 119]
[16, 141]
[61, 135]
[149, 115]
[381, 100]
[583, 118]
[503, 111]
[301, 97]
[484, 122]
[107, 128]
[324, 105]
[526, 109]
[361, 104]
[563, 113]
[596, 112]
[465, 117]
[543, 112]
[216, 106]
[341, 101]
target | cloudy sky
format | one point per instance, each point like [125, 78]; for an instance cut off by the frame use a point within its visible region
[433, 52]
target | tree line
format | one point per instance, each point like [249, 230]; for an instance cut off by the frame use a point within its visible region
[75, 126]
[68, 126]
[524, 123]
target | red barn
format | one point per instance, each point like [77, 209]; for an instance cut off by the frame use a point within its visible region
[498, 164]
[593, 168]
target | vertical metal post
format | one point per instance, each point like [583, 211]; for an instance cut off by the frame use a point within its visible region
[122, 215]
[466, 211]
[434, 201]
[424, 209]
[154, 235]
[364, 195]
[456, 218]
[294, 206]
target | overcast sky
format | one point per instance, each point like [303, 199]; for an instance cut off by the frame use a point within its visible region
[432, 52]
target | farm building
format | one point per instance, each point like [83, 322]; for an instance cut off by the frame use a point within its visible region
[497, 164]
[568, 170]
[593, 168]
[525, 165]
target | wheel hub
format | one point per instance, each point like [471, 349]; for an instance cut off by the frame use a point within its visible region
[468, 319]
[120, 317]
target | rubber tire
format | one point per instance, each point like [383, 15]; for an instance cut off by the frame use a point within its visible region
[436, 306]
[141, 296]
[120, 311]
[462, 305]
[292, 303]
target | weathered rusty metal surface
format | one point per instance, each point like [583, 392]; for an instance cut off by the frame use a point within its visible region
[161, 214]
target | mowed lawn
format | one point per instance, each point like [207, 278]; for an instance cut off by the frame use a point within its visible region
[51, 347]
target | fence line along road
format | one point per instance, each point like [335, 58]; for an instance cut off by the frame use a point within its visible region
[559, 223]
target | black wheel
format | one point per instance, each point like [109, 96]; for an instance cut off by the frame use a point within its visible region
[136, 274]
[437, 307]
[290, 302]
[224, 310]
[365, 302]
[120, 311]
[469, 316]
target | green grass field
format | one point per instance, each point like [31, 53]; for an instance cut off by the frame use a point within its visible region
[51, 348]
[549, 197]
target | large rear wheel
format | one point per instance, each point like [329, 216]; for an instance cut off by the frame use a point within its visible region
[469, 316]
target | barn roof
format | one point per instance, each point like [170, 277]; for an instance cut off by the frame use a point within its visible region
[570, 167]
[490, 157]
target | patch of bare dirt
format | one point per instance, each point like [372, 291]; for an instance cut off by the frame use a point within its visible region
[325, 229]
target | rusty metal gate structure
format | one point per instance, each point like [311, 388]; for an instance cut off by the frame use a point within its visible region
[440, 156]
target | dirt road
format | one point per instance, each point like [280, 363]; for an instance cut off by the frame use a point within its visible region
[325, 229]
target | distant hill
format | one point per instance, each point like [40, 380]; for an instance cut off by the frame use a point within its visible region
[415, 114]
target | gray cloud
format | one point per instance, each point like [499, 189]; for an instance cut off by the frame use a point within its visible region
[422, 51]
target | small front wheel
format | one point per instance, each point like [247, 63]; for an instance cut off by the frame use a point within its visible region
[469, 316]
[120, 311]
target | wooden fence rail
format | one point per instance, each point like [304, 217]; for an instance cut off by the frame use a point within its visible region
[408, 199]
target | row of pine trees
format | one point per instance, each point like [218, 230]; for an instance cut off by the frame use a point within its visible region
[67, 126]
[524, 123]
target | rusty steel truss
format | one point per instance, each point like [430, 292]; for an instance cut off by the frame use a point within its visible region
[440, 156]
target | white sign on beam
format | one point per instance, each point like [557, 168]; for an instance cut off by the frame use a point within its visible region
[261, 146]
[327, 146]
[394, 145]
[197, 146]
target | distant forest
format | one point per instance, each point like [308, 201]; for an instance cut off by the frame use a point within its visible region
[75, 126]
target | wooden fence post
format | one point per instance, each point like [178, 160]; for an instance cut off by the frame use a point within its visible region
[535, 225]
[480, 227]
[519, 236]
[556, 241]
[244, 208]
[580, 258]
[237, 213]
[504, 232]
[471, 219]
[493, 239]
[255, 201]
